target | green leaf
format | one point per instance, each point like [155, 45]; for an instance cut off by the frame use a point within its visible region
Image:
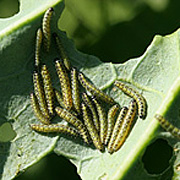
[155, 75]
[17, 37]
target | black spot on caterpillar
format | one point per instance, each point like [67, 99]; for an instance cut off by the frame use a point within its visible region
[141, 102]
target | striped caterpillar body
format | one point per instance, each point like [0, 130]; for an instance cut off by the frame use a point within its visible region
[39, 36]
[168, 126]
[65, 84]
[125, 128]
[75, 90]
[38, 90]
[60, 101]
[46, 28]
[59, 128]
[141, 102]
[94, 90]
[89, 103]
[102, 120]
[111, 120]
[37, 111]
[48, 89]
[91, 129]
[117, 127]
[59, 98]
[73, 120]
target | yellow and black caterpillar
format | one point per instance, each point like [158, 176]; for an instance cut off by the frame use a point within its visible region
[90, 113]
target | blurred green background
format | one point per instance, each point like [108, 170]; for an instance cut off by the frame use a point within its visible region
[115, 31]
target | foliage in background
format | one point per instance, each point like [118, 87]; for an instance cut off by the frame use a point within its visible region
[87, 21]
[127, 28]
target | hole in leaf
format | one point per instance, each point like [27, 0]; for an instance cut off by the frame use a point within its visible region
[6, 132]
[8, 8]
[51, 167]
[156, 157]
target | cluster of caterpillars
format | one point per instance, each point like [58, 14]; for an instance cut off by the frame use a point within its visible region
[83, 111]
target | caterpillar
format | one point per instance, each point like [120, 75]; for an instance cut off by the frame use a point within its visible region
[38, 90]
[75, 90]
[62, 52]
[60, 101]
[91, 128]
[38, 46]
[89, 103]
[117, 128]
[70, 118]
[48, 89]
[110, 121]
[65, 84]
[54, 128]
[141, 102]
[46, 28]
[94, 90]
[37, 111]
[124, 131]
[168, 126]
[102, 120]
[59, 98]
